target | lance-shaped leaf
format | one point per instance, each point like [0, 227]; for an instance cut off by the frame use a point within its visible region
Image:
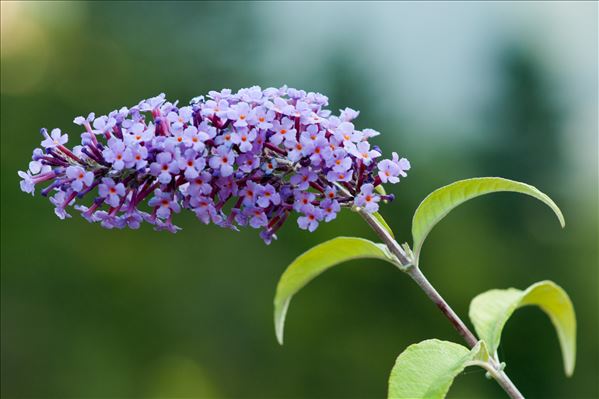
[440, 202]
[316, 260]
[427, 369]
[490, 311]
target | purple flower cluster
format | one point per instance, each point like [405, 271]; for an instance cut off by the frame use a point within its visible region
[234, 159]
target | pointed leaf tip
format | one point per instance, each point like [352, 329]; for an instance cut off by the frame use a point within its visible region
[441, 201]
[491, 310]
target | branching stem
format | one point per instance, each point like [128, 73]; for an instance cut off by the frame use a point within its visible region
[415, 273]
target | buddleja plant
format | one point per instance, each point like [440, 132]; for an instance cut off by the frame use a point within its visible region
[254, 158]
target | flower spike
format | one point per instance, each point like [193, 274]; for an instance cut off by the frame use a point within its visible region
[249, 158]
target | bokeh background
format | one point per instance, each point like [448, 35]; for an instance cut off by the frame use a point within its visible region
[461, 89]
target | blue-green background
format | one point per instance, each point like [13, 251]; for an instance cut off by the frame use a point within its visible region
[461, 89]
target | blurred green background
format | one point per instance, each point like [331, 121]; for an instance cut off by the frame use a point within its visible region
[461, 89]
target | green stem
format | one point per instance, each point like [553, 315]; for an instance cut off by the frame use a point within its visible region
[416, 274]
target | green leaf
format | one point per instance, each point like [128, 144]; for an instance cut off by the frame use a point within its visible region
[490, 311]
[440, 202]
[427, 369]
[383, 222]
[316, 260]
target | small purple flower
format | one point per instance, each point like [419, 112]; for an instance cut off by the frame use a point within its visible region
[264, 118]
[240, 114]
[80, 177]
[337, 176]
[269, 166]
[119, 115]
[347, 134]
[312, 215]
[302, 110]
[302, 198]
[257, 217]
[204, 209]
[330, 208]
[36, 166]
[180, 118]
[116, 154]
[205, 129]
[268, 196]
[200, 185]
[195, 139]
[152, 104]
[404, 165]
[111, 192]
[389, 170]
[81, 121]
[283, 131]
[250, 193]
[303, 178]
[54, 139]
[295, 150]
[267, 236]
[280, 106]
[252, 94]
[27, 184]
[191, 164]
[218, 109]
[103, 124]
[369, 133]
[367, 199]
[247, 162]
[132, 219]
[246, 139]
[321, 150]
[163, 167]
[139, 133]
[330, 193]
[227, 186]
[228, 139]
[107, 220]
[348, 114]
[177, 136]
[60, 202]
[312, 133]
[164, 203]
[136, 157]
[314, 119]
[339, 161]
[363, 152]
[223, 161]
